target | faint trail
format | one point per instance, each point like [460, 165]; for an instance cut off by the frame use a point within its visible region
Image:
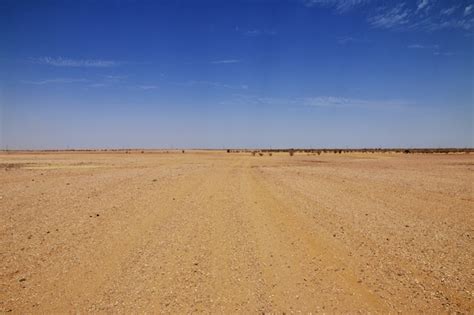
[199, 258]
[304, 270]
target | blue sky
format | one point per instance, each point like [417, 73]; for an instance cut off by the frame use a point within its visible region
[219, 74]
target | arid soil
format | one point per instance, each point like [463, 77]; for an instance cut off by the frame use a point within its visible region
[235, 233]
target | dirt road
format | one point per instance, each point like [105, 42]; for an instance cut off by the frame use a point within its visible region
[235, 233]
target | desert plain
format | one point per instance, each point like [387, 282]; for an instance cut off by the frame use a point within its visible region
[217, 232]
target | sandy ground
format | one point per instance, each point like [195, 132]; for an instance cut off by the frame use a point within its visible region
[233, 233]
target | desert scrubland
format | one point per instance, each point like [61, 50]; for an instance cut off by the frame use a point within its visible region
[210, 231]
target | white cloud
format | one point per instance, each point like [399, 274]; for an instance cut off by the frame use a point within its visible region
[448, 11]
[257, 32]
[146, 87]
[98, 85]
[342, 102]
[392, 18]
[416, 46]
[445, 53]
[340, 5]
[317, 101]
[52, 81]
[426, 15]
[468, 10]
[66, 62]
[421, 46]
[115, 77]
[217, 85]
[423, 4]
[225, 61]
[408, 17]
[348, 39]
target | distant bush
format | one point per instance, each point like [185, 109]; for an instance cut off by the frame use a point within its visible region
[291, 152]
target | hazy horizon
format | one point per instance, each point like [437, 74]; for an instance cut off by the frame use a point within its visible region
[238, 74]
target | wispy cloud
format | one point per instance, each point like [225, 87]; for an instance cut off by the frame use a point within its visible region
[406, 17]
[67, 62]
[257, 32]
[147, 87]
[225, 61]
[52, 81]
[426, 15]
[391, 18]
[423, 5]
[216, 85]
[115, 77]
[468, 10]
[421, 46]
[343, 102]
[449, 11]
[349, 39]
[444, 53]
[330, 102]
[340, 5]
[98, 85]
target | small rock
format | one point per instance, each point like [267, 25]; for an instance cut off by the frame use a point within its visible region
[22, 279]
